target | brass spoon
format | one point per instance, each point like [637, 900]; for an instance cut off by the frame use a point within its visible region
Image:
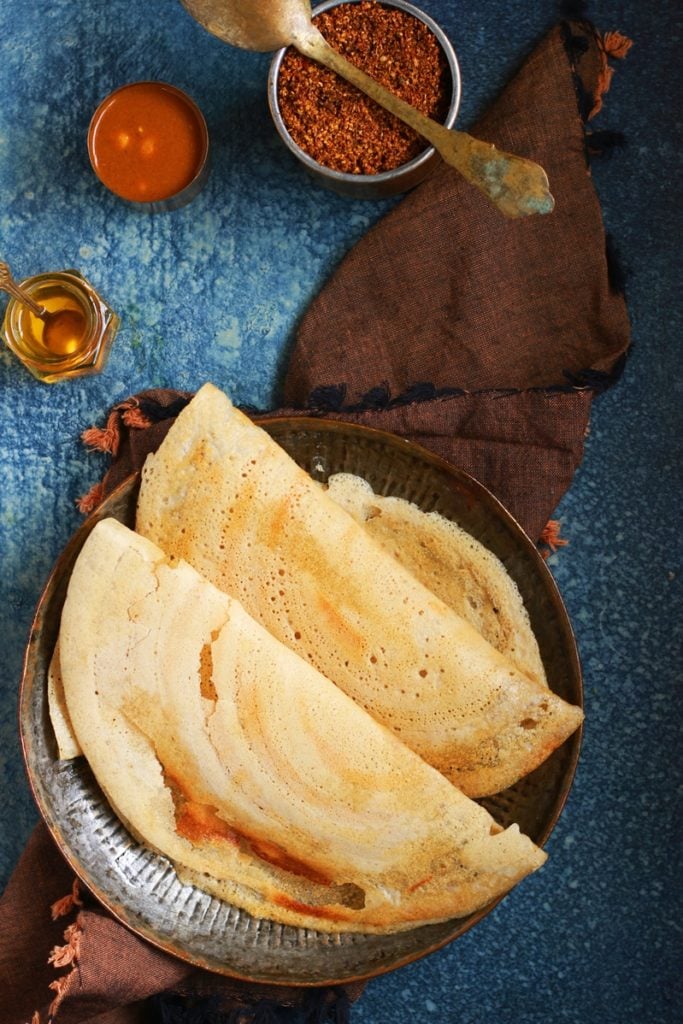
[64, 328]
[518, 187]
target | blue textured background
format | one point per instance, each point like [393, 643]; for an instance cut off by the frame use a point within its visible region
[214, 292]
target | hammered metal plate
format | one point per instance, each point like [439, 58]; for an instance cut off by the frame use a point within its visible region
[140, 887]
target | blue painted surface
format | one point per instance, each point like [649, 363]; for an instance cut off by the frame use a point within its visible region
[214, 291]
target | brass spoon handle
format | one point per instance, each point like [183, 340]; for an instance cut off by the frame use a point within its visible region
[9, 285]
[518, 187]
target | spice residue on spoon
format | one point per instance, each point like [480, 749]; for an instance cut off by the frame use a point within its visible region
[336, 124]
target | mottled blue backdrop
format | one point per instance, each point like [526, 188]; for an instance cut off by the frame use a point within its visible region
[214, 291]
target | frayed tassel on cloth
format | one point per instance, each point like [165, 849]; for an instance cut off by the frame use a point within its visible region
[67, 903]
[104, 439]
[108, 438]
[59, 987]
[136, 413]
[88, 502]
[616, 44]
[136, 418]
[550, 539]
[65, 955]
[612, 45]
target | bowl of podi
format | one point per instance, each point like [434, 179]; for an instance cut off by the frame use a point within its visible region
[343, 138]
[148, 144]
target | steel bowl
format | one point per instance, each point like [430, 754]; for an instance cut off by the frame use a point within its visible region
[387, 183]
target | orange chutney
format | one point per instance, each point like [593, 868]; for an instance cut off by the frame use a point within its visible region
[147, 141]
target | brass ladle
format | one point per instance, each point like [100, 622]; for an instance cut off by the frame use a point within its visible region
[64, 328]
[518, 187]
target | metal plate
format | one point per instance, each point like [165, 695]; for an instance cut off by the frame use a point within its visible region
[140, 887]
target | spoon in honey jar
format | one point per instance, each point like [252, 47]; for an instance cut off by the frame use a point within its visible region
[518, 187]
[63, 329]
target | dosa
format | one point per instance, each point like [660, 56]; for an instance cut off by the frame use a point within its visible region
[221, 494]
[451, 563]
[67, 744]
[448, 560]
[259, 778]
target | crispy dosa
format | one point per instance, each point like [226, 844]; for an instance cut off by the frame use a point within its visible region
[451, 563]
[221, 494]
[225, 751]
[444, 557]
[67, 744]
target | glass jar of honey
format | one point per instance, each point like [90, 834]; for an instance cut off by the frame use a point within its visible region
[73, 337]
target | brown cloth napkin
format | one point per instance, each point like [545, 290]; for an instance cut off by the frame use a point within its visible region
[482, 339]
[511, 326]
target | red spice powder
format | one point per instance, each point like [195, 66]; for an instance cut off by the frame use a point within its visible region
[338, 125]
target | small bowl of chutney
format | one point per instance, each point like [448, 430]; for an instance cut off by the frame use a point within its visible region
[148, 144]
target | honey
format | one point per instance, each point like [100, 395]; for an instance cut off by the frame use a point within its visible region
[74, 337]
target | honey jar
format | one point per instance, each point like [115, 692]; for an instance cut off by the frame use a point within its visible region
[74, 337]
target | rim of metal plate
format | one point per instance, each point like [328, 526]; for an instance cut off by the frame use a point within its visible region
[140, 888]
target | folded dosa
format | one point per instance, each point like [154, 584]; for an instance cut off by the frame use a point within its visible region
[221, 494]
[223, 750]
[67, 744]
[451, 563]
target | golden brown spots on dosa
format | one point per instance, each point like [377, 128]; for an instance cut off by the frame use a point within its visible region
[241, 793]
[344, 597]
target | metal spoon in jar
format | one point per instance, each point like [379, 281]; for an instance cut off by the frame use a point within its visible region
[64, 328]
[518, 187]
